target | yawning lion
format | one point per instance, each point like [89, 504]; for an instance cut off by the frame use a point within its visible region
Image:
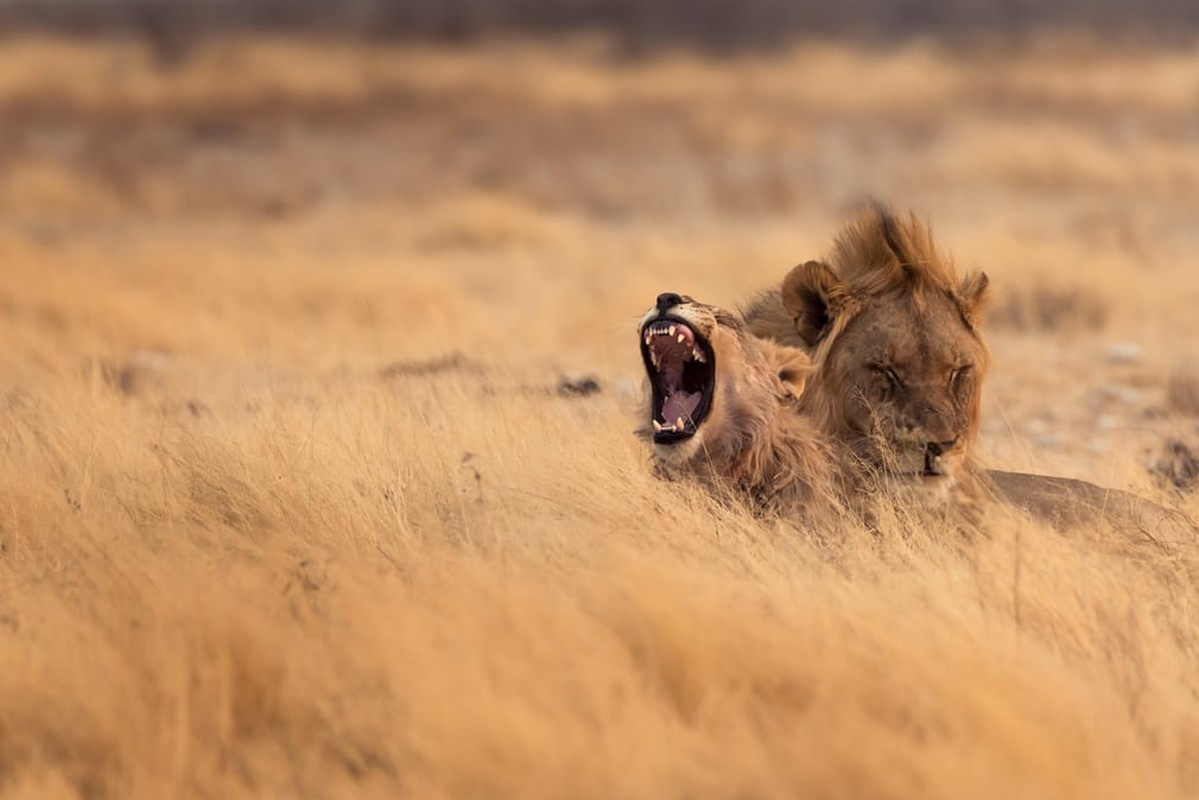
[723, 406]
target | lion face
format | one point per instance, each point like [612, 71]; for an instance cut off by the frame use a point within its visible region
[909, 375]
[899, 360]
[713, 386]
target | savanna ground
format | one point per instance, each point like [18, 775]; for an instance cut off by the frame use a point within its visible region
[294, 503]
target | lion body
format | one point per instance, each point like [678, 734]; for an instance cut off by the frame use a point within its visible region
[890, 327]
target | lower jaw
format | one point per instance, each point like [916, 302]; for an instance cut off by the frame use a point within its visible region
[663, 435]
[676, 449]
[914, 473]
[917, 482]
[668, 437]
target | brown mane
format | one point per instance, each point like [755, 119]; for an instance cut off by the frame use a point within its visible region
[882, 254]
[879, 253]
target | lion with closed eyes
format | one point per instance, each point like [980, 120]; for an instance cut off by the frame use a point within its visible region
[898, 356]
[898, 362]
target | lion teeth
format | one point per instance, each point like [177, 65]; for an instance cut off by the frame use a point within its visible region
[657, 426]
[678, 424]
[672, 329]
[697, 355]
[681, 337]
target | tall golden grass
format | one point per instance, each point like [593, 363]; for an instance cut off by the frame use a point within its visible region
[290, 504]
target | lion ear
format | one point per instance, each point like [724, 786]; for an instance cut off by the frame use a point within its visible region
[974, 295]
[790, 364]
[813, 295]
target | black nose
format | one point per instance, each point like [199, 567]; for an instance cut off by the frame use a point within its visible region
[668, 300]
[938, 448]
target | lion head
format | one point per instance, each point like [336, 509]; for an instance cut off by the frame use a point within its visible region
[722, 403]
[894, 336]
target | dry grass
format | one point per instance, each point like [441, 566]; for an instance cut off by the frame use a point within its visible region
[289, 505]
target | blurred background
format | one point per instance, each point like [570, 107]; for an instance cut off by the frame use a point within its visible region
[716, 24]
[347, 184]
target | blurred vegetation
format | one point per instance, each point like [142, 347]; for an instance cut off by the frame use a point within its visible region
[710, 24]
[299, 451]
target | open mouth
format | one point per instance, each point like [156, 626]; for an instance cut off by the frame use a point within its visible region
[682, 373]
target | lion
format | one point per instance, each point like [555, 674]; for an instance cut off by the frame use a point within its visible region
[898, 355]
[899, 360]
[723, 406]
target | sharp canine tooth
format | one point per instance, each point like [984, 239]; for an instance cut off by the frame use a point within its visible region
[657, 426]
[678, 424]
[672, 330]
[681, 338]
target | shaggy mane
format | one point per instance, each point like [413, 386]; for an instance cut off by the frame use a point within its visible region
[881, 253]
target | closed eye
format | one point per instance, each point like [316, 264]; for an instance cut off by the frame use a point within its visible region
[959, 373]
[891, 375]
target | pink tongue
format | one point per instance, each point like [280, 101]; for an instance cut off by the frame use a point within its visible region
[680, 405]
